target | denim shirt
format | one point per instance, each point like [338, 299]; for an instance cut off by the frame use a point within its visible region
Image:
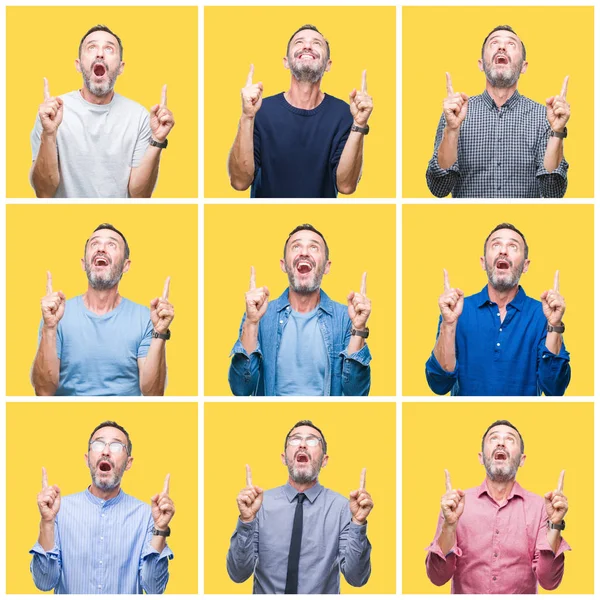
[346, 374]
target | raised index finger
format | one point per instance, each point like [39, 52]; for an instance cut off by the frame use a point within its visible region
[48, 283]
[252, 279]
[363, 478]
[165, 294]
[446, 281]
[561, 481]
[46, 90]
[556, 286]
[248, 476]
[163, 96]
[448, 482]
[45, 478]
[363, 284]
[166, 486]
[563, 92]
[364, 81]
[250, 75]
[449, 89]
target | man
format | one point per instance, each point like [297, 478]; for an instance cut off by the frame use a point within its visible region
[500, 342]
[500, 144]
[499, 538]
[302, 143]
[298, 537]
[102, 541]
[94, 143]
[101, 344]
[303, 343]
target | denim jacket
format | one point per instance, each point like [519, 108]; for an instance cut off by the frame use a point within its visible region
[345, 374]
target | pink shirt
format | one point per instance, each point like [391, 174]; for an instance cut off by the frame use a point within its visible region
[500, 548]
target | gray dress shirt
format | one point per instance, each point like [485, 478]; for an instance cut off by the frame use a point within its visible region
[331, 543]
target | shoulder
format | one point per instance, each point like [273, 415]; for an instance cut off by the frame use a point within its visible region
[335, 104]
[135, 504]
[135, 308]
[530, 104]
[332, 498]
[129, 105]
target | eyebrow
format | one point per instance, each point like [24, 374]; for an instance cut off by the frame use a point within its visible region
[102, 439]
[108, 42]
[511, 239]
[491, 433]
[110, 237]
[511, 37]
[310, 240]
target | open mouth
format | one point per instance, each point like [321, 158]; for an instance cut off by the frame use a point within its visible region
[501, 59]
[304, 267]
[500, 455]
[306, 55]
[502, 264]
[105, 466]
[101, 261]
[302, 458]
[99, 70]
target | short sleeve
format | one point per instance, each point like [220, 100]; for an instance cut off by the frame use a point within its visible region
[143, 140]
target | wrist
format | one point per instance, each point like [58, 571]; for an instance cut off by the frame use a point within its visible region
[247, 118]
[450, 327]
[49, 136]
[449, 527]
[358, 522]
[49, 329]
[246, 520]
[451, 132]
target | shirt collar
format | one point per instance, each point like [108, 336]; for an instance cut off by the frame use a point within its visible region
[517, 490]
[99, 502]
[483, 298]
[325, 302]
[509, 104]
[311, 493]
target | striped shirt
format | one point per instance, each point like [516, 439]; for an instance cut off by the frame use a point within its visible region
[500, 153]
[101, 547]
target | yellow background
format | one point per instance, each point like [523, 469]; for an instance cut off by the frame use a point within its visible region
[438, 436]
[360, 38]
[451, 237]
[358, 435]
[439, 39]
[163, 241]
[160, 45]
[360, 238]
[55, 435]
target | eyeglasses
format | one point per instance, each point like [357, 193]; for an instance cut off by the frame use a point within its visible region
[310, 441]
[114, 447]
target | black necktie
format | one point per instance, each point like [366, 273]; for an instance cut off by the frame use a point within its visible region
[291, 582]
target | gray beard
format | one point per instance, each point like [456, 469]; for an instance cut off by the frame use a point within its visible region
[95, 89]
[502, 475]
[505, 80]
[506, 284]
[107, 485]
[304, 73]
[306, 288]
[305, 477]
[110, 281]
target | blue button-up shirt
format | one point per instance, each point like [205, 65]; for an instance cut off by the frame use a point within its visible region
[345, 374]
[331, 543]
[500, 153]
[101, 547]
[501, 358]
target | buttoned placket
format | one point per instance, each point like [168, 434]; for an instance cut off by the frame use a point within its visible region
[501, 326]
[498, 531]
[500, 136]
[101, 546]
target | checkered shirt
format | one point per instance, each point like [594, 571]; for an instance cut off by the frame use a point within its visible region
[500, 153]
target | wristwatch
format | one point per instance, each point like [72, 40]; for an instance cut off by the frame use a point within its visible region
[167, 533]
[162, 336]
[162, 144]
[363, 333]
[562, 135]
[556, 328]
[560, 526]
[364, 130]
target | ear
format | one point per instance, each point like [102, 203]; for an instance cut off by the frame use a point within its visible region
[121, 67]
[480, 64]
[480, 455]
[129, 461]
[286, 64]
[78, 65]
[327, 267]
[526, 266]
[87, 460]
[282, 265]
[324, 461]
[83, 264]
[482, 261]
[522, 461]
[283, 459]
[328, 66]
[126, 266]
[524, 67]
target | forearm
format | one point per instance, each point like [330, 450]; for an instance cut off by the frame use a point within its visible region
[445, 347]
[448, 150]
[142, 180]
[241, 157]
[447, 539]
[154, 572]
[554, 538]
[46, 537]
[241, 557]
[249, 336]
[554, 342]
[554, 154]
[350, 166]
[46, 365]
[355, 344]
[45, 175]
[153, 377]
[355, 550]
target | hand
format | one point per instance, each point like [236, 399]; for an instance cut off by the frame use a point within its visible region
[455, 106]
[48, 500]
[161, 118]
[249, 500]
[361, 104]
[556, 502]
[251, 96]
[50, 111]
[162, 312]
[163, 508]
[553, 304]
[359, 306]
[257, 300]
[451, 302]
[53, 305]
[361, 503]
[453, 502]
[558, 110]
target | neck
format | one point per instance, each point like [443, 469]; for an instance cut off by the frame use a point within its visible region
[301, 487]
[104, 494]
[500, 95]
[102, 301]
[92, 99]
[500, 490]
[304, 303]
[304, 95]
[502, 298]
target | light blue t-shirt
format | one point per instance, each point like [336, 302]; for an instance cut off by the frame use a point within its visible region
[302, 357]
[98, 353]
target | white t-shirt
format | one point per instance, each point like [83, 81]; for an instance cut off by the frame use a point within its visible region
[97, 146]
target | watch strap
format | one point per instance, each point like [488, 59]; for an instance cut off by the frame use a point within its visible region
[159, 144]
[364, 130]
[363, 333]
[560, 526]
[165, 533]
[559, 134]
[161, 336]
[556, 328]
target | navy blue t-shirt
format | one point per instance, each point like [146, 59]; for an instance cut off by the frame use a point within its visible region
[297, 151]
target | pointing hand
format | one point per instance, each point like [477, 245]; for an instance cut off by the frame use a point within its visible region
[53, 305]
[162, 312]
[161, 118]
[162, 507]
[48, 500]
[252, 94]
[556, 502]
[558, 109]
[361, 104]
[450, 302]
[361, 503]
[50, 111]
[453, 502]
[455, 105]
[553, 304]
[249, 500]
[257, 300]
[359, 306]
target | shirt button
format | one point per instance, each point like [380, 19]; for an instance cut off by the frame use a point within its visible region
[495, 555]
[497, 314]
[499, 163]
[101, 539]
[103, 515]
[494, 578]
[498, 188]
[101, 561]
[496, 345]
[500, 329]
[497, 531]
[281, 321]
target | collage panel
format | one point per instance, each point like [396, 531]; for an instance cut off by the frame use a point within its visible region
[94, 144]
[100, 351]
[516, 356]
[94, 540]
[293, 140]
[501, 157]
[538, 462]
[339, 529]
[248, 242]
